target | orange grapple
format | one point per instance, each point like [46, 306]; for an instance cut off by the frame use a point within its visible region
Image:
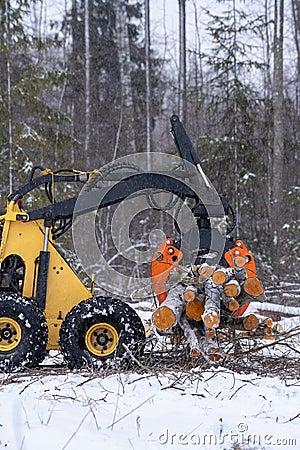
[240, 249]
[165, 258]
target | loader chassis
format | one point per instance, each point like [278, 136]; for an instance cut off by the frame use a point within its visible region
[64, 289]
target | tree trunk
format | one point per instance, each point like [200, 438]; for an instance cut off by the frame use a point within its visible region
[87, 7]
[9, 108]
[148, 78]
[296, 19]
[182, 61]
[75, 103]
[126, 103]
[278, 137]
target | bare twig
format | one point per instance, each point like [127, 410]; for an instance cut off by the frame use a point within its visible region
[76, 431]
[130, 412]
[134, 358]
[231, 397]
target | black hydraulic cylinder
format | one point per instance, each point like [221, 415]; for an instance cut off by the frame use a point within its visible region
[183, 142]
[42, 279]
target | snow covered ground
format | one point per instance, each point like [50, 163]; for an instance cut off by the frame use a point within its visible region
[213, 409]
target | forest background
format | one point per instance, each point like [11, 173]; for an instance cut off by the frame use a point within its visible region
[83, 82]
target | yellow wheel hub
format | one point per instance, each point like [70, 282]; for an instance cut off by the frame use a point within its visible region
[10, 334]
[101, 339]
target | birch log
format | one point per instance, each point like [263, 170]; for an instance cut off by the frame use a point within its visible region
[281, 309]
[195, 309]
[191, 334]
[190, 293]
[232, 288]
[205, 271]
[253, 287]
[222, 275]
[239, 268]
[213, 295]
[169, 313]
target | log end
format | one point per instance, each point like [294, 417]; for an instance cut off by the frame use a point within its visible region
[239, 261]
[205, 271]
[250, 322]
[253, 286]
[269, 322]
[219, 277]
[211, 320]
[210, 334]
[268, 331]
[189, 295]
[195, 309]
[233, 305]
[231, 290]
[163, 318]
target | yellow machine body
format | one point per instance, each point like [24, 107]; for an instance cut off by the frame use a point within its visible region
[64, 289]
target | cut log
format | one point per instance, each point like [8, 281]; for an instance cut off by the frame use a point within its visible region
[168, 314]
[239, 261]
[205, 271]
[191, 334]
[208, 348]
[211, 320]
[210, 334]
[221, 276]
[268, 331]
[215, 354]
[250, 322]
[239, 268]
[195, 309]
[232, 288]
[233, 305]
[211, 350]
[163, 318]
[275, 308]
[190, 293]
[269, 322]
[253, 287]
[213, 295]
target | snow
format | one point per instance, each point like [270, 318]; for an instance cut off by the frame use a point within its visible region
[149, 411]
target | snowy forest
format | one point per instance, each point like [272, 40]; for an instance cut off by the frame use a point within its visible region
[100, 79]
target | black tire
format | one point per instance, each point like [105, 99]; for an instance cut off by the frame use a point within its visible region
[23, 333]
[89, 326]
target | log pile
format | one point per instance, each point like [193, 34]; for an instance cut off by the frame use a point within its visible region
[210, 298]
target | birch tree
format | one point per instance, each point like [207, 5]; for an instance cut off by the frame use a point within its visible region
[296, 20]
[182, 60]
[278, 133]
[126, 118]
